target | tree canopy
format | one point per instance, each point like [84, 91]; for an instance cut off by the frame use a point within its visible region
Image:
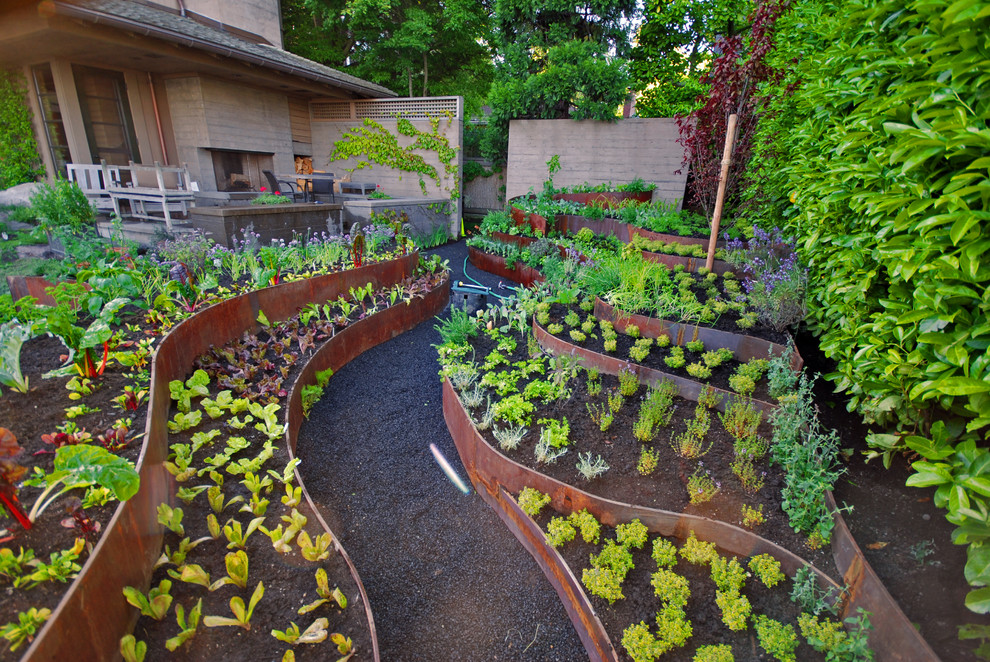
[675, 46]
[556, 60]
[411, 47]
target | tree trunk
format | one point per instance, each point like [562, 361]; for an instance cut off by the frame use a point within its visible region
[426, 71]
[409, 76]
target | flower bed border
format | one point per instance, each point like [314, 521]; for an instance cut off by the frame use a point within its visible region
[743, 347]
[611, 365]
[495, 265]
[92, 615]
[493, 474]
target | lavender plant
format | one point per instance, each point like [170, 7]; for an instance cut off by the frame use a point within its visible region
[774, 279]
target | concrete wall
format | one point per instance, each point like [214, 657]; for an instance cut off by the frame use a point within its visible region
[261, 17]
[596, 152]
[211, 113]
[484, 194]
[396, 183]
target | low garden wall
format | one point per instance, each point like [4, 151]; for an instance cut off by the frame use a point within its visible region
[224, 224]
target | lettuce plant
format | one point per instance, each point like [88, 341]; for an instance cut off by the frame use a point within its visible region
[12, 336]
[187, 625]
[156, 604]
[242, 613]
[82, 466]
[326, 595]
[314, 634]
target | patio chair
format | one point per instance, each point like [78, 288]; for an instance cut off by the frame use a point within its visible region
[322, 184]
[284, 186]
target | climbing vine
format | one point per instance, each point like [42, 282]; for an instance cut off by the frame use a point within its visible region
[379, 145]
[19, 159]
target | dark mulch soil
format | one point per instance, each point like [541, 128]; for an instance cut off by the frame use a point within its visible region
[720, 375]
[905, 538]
[665, 488]
[37, 412]
[641, 602]
[446, 579]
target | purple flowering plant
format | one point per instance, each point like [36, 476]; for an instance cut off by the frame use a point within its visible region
[773, 277]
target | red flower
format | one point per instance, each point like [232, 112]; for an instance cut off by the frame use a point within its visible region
[278, 193]
[263, 189]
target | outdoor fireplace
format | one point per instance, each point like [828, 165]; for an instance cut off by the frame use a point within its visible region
[240, 171]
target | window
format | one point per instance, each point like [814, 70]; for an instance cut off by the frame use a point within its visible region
[106, 115]
[51, 116]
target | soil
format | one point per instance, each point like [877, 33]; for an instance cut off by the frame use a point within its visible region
[641, 602]
[29, 416]
[445, 578]
[905, 538]
[719, 378]
[665, 488]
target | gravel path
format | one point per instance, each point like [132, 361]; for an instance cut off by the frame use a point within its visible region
[446, 579]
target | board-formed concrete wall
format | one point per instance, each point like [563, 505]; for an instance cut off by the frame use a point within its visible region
[208, 113]
[596, 152]
[396, 183]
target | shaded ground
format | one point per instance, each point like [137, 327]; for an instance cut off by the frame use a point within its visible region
[446, 579]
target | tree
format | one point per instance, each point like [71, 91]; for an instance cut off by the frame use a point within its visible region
[409, 46]
[675, 46]
[732, 82]
[556, 61]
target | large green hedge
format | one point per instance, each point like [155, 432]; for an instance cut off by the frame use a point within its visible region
[874, 149]
[876, 153]
[19, 160]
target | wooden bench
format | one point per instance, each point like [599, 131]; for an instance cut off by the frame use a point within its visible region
[168, 187]
[92, 180]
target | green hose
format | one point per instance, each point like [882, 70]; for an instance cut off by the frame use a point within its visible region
[464, 270]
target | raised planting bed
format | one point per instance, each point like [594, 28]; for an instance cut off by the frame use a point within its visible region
[495, 264]
[691, 264]
[225, 224]
[131, 542]
[624, 232]
[494, 476]
[607, 199]
[536, 223]
[744, 347]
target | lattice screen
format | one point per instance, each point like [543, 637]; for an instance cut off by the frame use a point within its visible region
[384, 109]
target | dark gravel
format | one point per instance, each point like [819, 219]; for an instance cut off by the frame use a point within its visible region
[445, 578]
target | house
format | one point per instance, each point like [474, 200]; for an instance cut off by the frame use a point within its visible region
[203, 83]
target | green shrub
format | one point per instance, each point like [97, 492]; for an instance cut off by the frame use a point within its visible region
[19, 158]
[587, 524]
[62, 206]
[532, 501]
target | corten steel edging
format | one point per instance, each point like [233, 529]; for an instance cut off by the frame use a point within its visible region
[691, 264]
[609, 199]
[336, 353]
[92, 616]
[572, 223]
[536, 222]
[686, 388]
[34, 286]
[491, 472]
[519, 240]
[495, 265]
[893, 637]
[576, 603]
[671, 238]
[743, 347]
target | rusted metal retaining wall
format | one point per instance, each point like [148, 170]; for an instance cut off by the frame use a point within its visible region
[495, 265]
[606, 199]
[743, 347]
[92, 616]
[492, 473]
[686, 388]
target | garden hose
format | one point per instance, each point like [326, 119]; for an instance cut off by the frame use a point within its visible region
[464, 270]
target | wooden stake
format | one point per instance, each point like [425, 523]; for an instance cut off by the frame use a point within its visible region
[730, 139]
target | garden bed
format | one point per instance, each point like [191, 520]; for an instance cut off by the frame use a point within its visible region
[495, 265]
[131, 542]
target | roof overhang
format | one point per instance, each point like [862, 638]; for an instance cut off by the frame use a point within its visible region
[80, 33]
